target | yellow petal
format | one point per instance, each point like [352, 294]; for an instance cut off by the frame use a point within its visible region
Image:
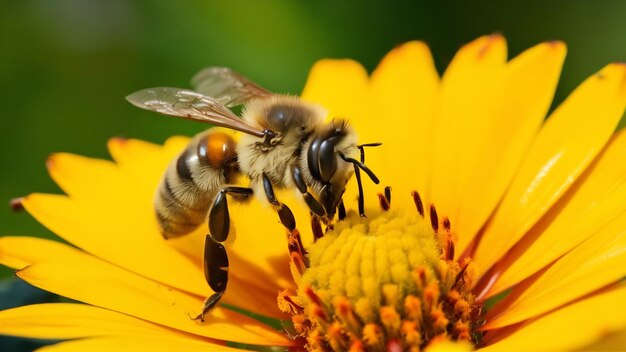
[81, 177]
[597, 262]
[404, 90]
[574, 326]
[88, 279]
[133, 344]
[565, 146]
[71, 320]
[615, 341]
[449, 346]
[125, 234]
[19, 252]
[341, 87]
[503, 138]
[470, 86]
[597, 198]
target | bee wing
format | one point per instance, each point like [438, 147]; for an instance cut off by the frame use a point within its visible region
[190, 105]
[227, 86]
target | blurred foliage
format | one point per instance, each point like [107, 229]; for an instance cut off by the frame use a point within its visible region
[66, 65]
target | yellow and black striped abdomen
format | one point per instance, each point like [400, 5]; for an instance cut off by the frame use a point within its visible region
[192, 180]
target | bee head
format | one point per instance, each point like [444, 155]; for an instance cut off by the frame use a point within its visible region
[330, 162]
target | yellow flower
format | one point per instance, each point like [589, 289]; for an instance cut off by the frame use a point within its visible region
[526, 207]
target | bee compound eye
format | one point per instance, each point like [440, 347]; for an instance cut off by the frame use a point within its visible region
[279, 118]
[327, 160]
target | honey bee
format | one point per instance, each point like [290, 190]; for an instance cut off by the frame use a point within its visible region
[286, 143]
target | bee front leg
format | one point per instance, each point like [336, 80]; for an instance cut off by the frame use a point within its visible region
[296, 249]
[311, 202]
[284, 213]
[215, 256]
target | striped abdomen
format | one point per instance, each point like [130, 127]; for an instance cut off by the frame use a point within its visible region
[192, 180]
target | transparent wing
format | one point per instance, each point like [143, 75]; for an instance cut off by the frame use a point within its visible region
[190, 105]
[227, 86]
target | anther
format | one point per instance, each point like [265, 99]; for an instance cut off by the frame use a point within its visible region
[439, 322]
[382, 200]
[419, 275]
[458, 280]
[313, 296]
[434, 219]
[390, 319]
[388, 194]
[299, 262]
[446, 224]
[357, 346]
[372, 335]
[462, 331]
[410, 333]
[431, 296]
[335, 337]
[413, 308]
[449, 248]
[287, 304]
[418, 203]
[344, 311]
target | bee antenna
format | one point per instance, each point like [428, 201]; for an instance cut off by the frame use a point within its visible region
[362, 149]
[362, 166]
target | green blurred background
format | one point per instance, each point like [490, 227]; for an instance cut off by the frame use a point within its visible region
[66, 65]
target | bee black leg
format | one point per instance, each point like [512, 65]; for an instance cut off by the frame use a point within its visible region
[294, 241]
[284, 213]
[357, 175]
[215, 257]
[341, 211]
[310, 201]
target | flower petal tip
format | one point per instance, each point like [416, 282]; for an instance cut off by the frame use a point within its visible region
[17, 204]
[51, 161]
[486, 47]
[117, 141]
[556, 46]
[334, 65]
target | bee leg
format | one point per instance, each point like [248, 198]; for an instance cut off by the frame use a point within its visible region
[215, 272]
[341, 210]
[357, 175]
[215, 257]
[219, 218]
[284, 213]
[296, 249]
[313, 203]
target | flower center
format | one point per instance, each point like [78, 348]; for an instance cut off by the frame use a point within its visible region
[386, 282]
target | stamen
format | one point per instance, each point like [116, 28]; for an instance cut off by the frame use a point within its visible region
[336, 339]
[434, 219]
[446, 224]
[410, 333]
[382, 200]
[287, 304]
[372, 335]
[357, 346]
[388, 194]
[418, 203]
